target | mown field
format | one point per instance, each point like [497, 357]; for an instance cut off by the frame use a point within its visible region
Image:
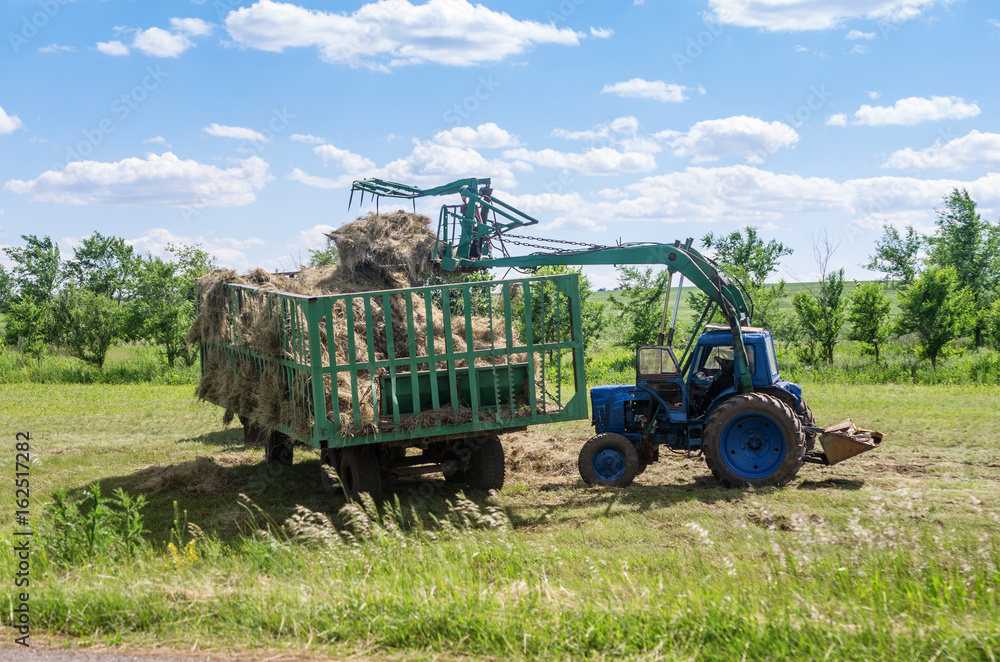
[891, 556]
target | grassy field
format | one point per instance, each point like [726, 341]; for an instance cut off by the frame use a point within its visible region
[893, 555]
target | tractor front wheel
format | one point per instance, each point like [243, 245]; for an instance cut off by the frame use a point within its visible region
[754, 439]
[608, 459]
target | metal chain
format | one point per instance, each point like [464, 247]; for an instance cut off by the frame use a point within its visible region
[551, 241]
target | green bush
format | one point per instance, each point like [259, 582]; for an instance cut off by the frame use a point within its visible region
[76, 531]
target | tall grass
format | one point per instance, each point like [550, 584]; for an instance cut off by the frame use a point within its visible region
[792, 588]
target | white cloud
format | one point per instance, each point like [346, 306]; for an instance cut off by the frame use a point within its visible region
[638, 88]
[156, 181]
[160, 140]
[236, 132]
[744, 194]
[191, 26]
[858, 34]
[859, 49]
[620, 125]
[348, 161]
[307, 139]
[994, 22]
[601, 33]
[837, 119]
[299, 175]
[161, 43]
[229, 252]
[112, 48]
[799, 48]
[794, 15]
[390, 33]
[748, 137]
[484, 136]
[56, 48]
[914, 110]
[428, 164]
[158, 42]
[970, 151]
[595, 161]
[9, 123]
[874, 94]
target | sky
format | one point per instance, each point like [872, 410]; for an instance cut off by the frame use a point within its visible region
[241, 124]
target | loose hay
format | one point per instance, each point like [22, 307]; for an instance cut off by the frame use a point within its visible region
[199, 477]
[373, 250]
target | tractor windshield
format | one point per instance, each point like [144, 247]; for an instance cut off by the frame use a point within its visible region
[719, 359]
[656, 362]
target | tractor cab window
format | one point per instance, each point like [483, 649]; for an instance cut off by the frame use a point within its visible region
[719, 360]
[656, 362]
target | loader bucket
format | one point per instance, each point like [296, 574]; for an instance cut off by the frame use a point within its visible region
[844, 440]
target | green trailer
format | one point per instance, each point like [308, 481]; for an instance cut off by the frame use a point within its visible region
[401, 382]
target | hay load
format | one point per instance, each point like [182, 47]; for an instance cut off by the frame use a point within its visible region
[377, 253]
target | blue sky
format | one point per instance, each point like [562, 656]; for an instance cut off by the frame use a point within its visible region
[240, 124]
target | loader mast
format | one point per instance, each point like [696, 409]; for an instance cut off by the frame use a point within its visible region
[469, 234]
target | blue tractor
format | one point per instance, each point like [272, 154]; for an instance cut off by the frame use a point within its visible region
[723, 398]
[758, 437]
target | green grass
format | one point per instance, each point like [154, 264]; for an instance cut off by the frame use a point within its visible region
[890, 556]
[125, 364]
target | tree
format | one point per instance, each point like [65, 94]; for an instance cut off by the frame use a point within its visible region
[6, 289]
[164, 309]
[971, 246]
[323, 257]
[938, 309]
[821, 314]
[640, 306]
[36, 271]
[868, 313]
[897, 256]
[992, 332]
[745, 255]
[90, 323]
[193, 262]
[104, 265]
[27, 327]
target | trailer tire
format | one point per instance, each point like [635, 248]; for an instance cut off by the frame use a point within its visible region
[278, 450]
[754, 439]
[608, 459]
[487, 468]
[360, 473]
[329, 460]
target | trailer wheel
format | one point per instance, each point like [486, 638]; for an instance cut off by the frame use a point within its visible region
[359, 472]
[487, 469]
[329, 460]
[754, 439]
[278, 449]
[608, 459]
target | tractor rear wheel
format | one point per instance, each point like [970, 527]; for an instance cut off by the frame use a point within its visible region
[360, 472]
[486, 466]
[608, 459]
[805, 415]
[754, 439]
